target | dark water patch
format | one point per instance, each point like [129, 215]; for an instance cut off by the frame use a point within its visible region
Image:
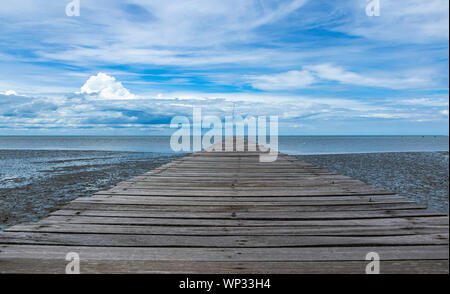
[71, 160]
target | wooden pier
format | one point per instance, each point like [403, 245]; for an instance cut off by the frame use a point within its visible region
[226, 212]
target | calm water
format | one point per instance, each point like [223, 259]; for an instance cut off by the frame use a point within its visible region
[287, 144]
[362, 144]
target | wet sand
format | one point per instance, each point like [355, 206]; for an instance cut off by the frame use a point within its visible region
[66, 179]
[420, 176]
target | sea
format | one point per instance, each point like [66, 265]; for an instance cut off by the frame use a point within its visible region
[295, 145]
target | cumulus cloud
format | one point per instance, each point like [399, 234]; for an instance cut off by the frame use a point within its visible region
[9, 93]
[103, 86]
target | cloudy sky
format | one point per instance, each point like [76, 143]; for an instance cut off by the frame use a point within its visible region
[128, 67]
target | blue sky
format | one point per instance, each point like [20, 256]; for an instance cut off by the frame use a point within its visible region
[128, 67]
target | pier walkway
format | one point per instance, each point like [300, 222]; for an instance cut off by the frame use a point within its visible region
[227, 212]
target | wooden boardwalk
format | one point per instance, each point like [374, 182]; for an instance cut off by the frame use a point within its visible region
[226, 212]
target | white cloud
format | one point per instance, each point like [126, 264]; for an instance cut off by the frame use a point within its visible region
[293, 79]
[103, 86]
[74, 112]
[179, 32]
[311, 74]
[429, 102]
[408, 21]
[9, 93]
[388, 115]
[336, 73]
[175, 34]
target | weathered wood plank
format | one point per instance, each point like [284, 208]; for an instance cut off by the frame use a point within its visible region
[267, 186]
[273, 200]
[324, 230]
[250, 215]
[45, 252]
[226, 222]
[238, 207]
[54, 266]
[326, 191]
[120, 240]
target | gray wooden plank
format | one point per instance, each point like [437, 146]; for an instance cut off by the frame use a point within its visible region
[45, 252]
[231, 222]
[323, 230]
[251, 215]
[54, 266]
[325, 191]
[273, 200]
[227, 208]
[120, 240]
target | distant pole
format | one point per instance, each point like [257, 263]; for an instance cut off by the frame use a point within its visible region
[233, 119]
[233, 111]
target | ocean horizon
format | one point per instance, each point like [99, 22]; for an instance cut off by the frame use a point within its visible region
[295, 145]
